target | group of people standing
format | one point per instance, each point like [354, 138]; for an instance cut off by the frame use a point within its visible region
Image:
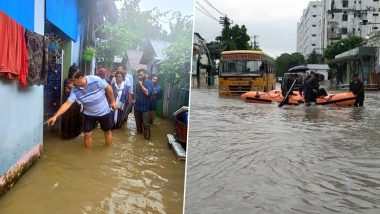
[311, 90]
[107, 100]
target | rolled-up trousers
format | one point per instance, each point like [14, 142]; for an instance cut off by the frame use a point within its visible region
[142, 123]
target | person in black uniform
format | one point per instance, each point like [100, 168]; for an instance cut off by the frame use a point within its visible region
[357, 87]
[310, 89]
[287, 83]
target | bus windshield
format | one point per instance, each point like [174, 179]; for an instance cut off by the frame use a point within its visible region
[241, 68]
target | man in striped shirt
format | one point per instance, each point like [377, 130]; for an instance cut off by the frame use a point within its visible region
[90, 91]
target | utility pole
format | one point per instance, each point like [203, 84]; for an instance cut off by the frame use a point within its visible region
[254, 44]
[226, 34]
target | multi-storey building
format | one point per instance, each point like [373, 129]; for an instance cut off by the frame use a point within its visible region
[309, 29]
[344, 18]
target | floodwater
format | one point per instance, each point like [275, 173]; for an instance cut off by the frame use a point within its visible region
[131, 176]
[259, 158]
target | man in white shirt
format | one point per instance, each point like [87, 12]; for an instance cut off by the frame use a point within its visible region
[130, 93]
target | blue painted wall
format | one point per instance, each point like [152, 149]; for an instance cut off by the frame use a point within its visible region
[21, 109]
[20, 10]
[64, 14]
[21, 113]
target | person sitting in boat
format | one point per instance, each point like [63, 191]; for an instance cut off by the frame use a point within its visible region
[357, 87]
[321, 91]
[310, 89]
[287, 83]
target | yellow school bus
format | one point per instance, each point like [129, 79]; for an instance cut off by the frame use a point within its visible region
[245, 70]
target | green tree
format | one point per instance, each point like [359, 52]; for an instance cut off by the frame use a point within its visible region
[235, 38]
[177, 65]
[215, 48]
[314, 58]
[132, 30]
[342, 46]
[286, 61]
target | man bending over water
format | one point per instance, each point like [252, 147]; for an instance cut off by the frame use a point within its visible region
[90, 91]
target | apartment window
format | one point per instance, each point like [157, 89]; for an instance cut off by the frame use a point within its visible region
[375, 28]
[312, 44]
[345, 3]
[344, 30]
[314, 6]
[345, 17]
[375, 14]
[313, 35]
[314, 15]
[314, 25]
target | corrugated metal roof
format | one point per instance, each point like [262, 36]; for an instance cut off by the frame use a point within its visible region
[159, 48]
[134, 58]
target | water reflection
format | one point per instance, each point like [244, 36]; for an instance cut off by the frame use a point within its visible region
[252, 158]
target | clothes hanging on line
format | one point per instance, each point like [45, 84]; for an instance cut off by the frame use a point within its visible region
[38, 53]
[13, 54]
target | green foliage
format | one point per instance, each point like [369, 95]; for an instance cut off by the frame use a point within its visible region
[342, 46]
[90, 50]
[236, 38]
[286, 61]
[177, 65]
[314, 58]
[132, 30]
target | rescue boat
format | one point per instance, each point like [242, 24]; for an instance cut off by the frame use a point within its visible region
[256, 97]
[339, 99]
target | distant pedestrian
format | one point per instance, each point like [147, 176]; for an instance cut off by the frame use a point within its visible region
[143, 98]
[156, 95]
[91, 92]
[357, 87]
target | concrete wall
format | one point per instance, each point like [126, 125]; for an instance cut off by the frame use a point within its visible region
[21, 113]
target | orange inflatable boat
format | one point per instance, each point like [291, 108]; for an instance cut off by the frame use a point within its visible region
[339, 99]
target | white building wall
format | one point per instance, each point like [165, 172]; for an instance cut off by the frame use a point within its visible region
[363, 17]
[308, 29]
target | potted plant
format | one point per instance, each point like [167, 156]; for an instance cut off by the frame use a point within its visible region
[88, 53]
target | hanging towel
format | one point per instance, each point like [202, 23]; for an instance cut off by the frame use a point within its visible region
[38, 53]
[13, 54]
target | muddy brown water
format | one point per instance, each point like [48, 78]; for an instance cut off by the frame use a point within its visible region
[259, 158]
[131, 176]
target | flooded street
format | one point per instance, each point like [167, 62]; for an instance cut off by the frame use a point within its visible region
[259, 158]
[131, 176]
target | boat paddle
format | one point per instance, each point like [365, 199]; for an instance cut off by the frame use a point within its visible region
[284, 101]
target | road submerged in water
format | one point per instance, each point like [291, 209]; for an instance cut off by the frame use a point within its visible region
[131, 176]
[259, 158]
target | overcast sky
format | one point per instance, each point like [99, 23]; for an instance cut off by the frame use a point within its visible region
[275, 21]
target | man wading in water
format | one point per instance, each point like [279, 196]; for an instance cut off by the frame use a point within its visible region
[90, 91]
